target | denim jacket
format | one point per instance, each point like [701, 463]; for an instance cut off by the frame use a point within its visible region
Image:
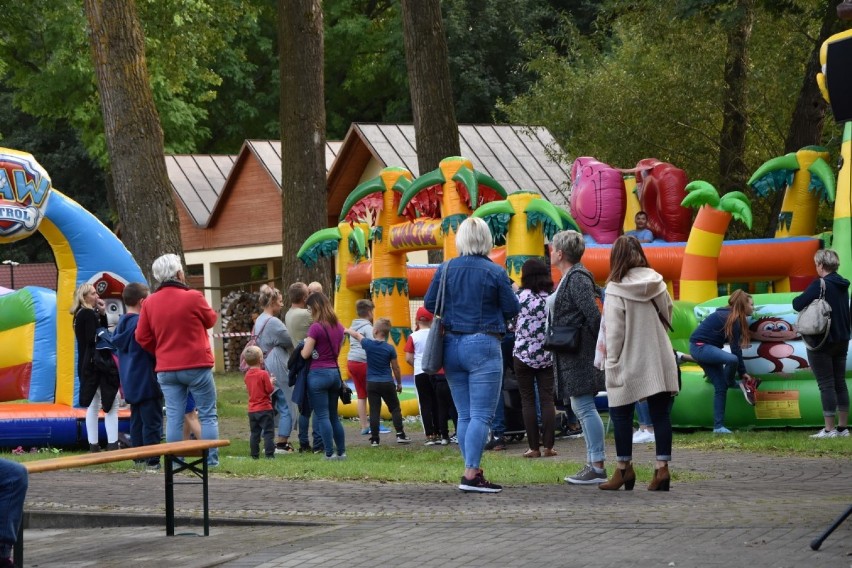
[478, 295]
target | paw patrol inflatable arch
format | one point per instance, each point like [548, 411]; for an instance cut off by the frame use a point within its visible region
[38, 359]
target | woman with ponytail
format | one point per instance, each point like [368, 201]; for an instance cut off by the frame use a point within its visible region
[725, 325]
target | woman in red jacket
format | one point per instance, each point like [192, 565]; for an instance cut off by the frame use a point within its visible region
[173, 327]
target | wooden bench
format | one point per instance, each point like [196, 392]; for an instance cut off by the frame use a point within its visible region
[175, 454]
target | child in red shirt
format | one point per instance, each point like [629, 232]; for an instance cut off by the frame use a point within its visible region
[261, 420]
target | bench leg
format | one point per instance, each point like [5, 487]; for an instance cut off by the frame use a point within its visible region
[205, 493]
[170, 489]
[19, 546]
[170, 497]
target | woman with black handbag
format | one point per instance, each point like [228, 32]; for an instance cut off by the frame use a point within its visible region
[322, 346]
[573, 305]
[828, 362]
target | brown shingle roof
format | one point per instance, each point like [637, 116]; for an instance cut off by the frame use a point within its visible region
[199, 180]
[518, 157]
[42, 274]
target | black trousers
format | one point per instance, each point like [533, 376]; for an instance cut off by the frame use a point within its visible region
[262, 424]
[445, 406]
[376, 393]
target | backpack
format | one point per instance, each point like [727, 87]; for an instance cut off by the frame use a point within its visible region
[104, 359]
[252, 342]
[815, 320]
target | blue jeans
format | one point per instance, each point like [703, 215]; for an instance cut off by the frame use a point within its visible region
[474, 369]
[720, 366]
[593, 428]
[285, 419]
[498, 424]
[175, 386]
[659, 408]
[304, 426]
[146, 424]
[13, 489]
[323, 390]
[643, 415]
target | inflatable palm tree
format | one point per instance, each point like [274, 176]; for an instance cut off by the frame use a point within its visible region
[700, 270]
[807, 178]
[451, 192]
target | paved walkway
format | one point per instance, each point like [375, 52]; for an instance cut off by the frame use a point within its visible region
[746, 510]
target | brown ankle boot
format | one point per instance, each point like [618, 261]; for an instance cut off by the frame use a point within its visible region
[625, 477]
[661, 479]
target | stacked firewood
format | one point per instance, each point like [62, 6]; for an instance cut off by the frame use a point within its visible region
[238, 312]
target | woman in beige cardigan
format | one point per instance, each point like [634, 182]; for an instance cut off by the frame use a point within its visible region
[640, 362]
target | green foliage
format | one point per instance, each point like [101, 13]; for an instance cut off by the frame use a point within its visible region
[649, 83]
[365, 73]
[48, 62]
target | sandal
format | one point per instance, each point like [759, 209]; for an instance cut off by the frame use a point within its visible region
[532, 454]
[549, 453]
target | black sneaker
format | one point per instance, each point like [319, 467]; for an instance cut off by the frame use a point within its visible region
[401, 438]
[283, 448]
[479, 485]
[496, 444]
[374, 443]
[319, 450]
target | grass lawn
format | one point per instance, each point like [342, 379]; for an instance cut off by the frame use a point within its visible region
[392, 462]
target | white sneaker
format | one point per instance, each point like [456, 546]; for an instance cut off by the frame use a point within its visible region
[643, 437]
[843, 434]
[825, 434]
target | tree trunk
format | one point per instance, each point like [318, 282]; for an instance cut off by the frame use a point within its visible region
[304, 192]
[134, 137]
[809, 113]
[732, 139]
[436, 131]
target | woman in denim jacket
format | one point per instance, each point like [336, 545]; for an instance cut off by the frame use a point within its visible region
[478, 299]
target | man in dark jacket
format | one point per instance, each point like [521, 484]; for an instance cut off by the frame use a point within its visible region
[138, 380]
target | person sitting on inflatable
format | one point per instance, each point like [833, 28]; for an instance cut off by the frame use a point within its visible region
[641, 232]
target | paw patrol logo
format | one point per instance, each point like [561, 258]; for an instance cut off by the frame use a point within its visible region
[24, 188]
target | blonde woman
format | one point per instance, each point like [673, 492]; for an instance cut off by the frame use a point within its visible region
[276, 344]
[98, 388]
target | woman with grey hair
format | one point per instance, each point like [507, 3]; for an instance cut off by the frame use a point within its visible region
[478, 299]
[573, 303]
[173, 327]
[828, 362]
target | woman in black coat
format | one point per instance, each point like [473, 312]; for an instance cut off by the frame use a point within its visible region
[98, 383]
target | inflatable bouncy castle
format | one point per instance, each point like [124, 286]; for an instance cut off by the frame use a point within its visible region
[393, 214]
[38, 359]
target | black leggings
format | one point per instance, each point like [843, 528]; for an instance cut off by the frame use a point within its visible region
[660, 407]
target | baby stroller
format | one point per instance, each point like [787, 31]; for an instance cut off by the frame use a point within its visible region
[513, 415]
